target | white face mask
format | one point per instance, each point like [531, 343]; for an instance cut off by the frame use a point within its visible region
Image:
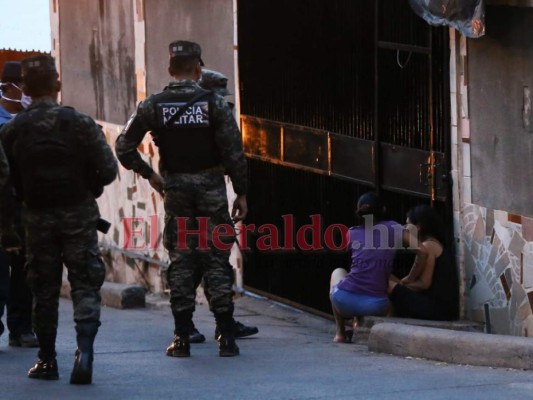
[24, 101]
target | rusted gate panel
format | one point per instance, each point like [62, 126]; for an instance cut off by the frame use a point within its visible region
[338, 98]
[308, 63]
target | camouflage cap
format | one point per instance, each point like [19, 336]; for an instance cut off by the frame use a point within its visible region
[38, 65]
[183, 48]
[215, 81]
[11, 72]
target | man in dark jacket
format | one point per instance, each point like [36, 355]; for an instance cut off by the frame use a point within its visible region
[59, 158]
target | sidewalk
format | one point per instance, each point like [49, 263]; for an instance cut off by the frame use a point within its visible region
[292, 357]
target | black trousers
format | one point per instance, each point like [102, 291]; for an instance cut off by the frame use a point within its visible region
[15, 294]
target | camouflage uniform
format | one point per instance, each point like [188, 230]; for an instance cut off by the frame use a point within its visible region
[4, 167]
[215, 81]
[63, 234]
[195, 194]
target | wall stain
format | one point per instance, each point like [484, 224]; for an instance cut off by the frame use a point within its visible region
[113, 64]
[95, 58]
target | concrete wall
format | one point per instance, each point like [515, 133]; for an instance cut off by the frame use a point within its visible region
[98, 60]
[207, 22]
[500, 81]
[111, 54]
[492, 154]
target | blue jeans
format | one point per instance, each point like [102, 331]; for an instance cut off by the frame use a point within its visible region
[350, 304]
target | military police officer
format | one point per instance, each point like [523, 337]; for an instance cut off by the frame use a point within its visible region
[218, 83]
[59, 159]
[198, 141]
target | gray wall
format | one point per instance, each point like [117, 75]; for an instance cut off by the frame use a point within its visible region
[98, 57]
[207, 22]
[500, 66]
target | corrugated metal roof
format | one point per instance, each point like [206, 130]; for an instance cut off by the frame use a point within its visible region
[15, 55]
[23, 50]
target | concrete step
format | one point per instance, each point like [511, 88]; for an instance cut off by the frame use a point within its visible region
[462, 325]
[116, 295]
[450, 346]
[362, 332]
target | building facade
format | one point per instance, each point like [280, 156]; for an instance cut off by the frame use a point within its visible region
[335, 98]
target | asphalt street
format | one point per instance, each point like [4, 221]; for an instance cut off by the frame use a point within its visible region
[292, 357]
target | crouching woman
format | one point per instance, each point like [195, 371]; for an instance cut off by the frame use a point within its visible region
[373, 242]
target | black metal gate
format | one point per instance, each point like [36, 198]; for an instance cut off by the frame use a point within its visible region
[338, 97]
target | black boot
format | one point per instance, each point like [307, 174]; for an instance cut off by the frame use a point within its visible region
[226, 341]
[46, 367]
[180, 346]
[82, 372]
[23, 340]
[227, 346]
[195, 336]
[239, 330]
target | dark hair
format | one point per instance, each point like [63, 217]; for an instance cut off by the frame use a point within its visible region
[429, 221]
[369, 204]
[182, 65]
[16, 81]
[42, 83]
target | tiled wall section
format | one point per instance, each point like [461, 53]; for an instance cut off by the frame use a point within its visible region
[499, 269]
[131, 196]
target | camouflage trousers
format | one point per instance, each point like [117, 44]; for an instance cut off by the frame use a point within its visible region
[187, 198]
[60, 236]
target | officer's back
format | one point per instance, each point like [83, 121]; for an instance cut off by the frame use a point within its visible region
[60, 162]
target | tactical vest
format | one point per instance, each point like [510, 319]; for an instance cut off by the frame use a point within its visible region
[50, 161]
[187, 142]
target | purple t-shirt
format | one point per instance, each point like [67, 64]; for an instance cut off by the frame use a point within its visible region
[373, 251]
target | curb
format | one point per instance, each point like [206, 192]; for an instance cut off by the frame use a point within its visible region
[116, 295]
[460, 325]
[452, 346]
